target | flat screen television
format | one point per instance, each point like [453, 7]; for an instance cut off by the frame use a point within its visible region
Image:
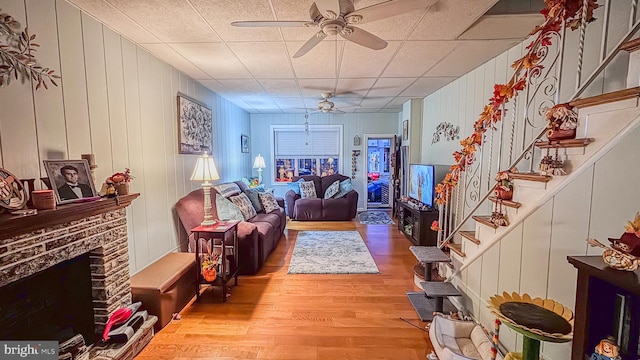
[422, 181]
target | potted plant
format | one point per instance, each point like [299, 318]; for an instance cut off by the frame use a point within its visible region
[562, 122]
[121, 181]
[504, 187]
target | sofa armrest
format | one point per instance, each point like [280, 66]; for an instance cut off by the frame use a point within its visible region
[280, 201]
[290, 198]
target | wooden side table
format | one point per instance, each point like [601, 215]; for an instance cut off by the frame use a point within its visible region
[223, 239]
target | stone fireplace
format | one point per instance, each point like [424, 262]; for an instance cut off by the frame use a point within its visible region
[93, 233]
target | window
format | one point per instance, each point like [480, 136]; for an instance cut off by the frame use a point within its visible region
[297, 152]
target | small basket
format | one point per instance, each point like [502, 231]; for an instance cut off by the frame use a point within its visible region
[43, 199]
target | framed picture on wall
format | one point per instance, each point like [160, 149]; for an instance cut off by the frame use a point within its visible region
[70, 180]
[244, 143]
[405, 130]
[194, 126]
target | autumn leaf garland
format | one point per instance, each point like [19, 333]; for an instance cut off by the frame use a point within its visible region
[556, 13]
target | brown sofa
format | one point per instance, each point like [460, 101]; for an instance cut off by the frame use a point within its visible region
[343, 208]
[257, 237]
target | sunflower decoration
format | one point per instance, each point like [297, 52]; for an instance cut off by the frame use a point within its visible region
[540, 319]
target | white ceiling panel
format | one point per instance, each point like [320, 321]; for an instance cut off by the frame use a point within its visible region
[260, 102]
[393, 28]
[398, 101]
[357, 87]
[220, 15]
[447, 19]
[293, 10]
[429, 53]
[175, 59]
[426, 85]
[244, 87]
[116, 20]
[290, 103]
[265, 60]
[241, 103]
[358, 61]
[170, 21]
[314, 87]
[280, 87]
[390, 86]
[468, 55]
[213, 58]
[502, 27]
[218, 88]
[375, 102]
[320, 62]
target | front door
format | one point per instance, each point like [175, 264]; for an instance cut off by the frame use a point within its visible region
[379, 170]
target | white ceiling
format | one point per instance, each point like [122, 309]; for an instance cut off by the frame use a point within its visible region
[254, 68]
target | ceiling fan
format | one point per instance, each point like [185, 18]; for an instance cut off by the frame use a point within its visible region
[336, 17]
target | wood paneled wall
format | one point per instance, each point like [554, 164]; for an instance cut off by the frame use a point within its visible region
[117, 101]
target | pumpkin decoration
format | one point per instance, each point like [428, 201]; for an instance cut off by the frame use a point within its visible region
[209, 266]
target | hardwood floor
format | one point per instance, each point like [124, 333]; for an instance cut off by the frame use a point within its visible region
[275, 315]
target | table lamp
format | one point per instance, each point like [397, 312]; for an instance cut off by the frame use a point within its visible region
[206, 171]
[259, 164]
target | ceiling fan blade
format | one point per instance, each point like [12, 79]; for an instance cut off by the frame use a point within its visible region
[387, 9]
[363, 38]
[328, 8]
[272, 23]
[310, 44]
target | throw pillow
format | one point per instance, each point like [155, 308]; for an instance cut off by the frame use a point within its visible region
[268, 202]
[295, 186]
[308, 190]
[333, 189]
[243, 202]
[227, 189]
[227, 210]
[252, 194]
[345, 187]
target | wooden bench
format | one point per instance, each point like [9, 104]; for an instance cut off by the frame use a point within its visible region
[166, 286]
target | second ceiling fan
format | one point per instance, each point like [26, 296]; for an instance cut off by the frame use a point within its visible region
[337, 17]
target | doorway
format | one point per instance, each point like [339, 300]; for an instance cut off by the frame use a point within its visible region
[379, 170]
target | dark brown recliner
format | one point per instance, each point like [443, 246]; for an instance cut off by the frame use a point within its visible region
[257, 237]
[343, 208]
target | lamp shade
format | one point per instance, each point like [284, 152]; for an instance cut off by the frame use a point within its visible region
[259, 163]
[205, 169]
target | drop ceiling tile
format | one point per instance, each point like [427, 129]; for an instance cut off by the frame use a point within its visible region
[280, 87]
[375, 102]
[244, 87]
[171, 21]
[265, 60]
[171, 57]
[315, 87]
[359, 61]
[390, 86]
[294, 10]
[426, 86]
[416, 57]
[213, 58]
[446, 20]
[320, 62]
[220, 15]
[237, 100]
[260, 103]
[115, 19]
[286, 103]
[357, 87]
[469, 55]
[393, 28]
[216, 87]
[503, 27]
[398, 101]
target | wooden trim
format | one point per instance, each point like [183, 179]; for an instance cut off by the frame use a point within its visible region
[485, 220]
[631, 45]
[530, 177]
[569, 143]
[456, 248]
[15, 225]
[471, 236]
[508, 203]
[607, 98]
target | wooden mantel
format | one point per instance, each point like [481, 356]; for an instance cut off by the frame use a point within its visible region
[12, 225]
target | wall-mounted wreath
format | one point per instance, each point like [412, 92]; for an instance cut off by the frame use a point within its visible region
[17, 59]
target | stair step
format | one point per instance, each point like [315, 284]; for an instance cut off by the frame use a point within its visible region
[471, 236]
[568, 143]
[456, 248]
[631, 45]
[509, 203]
[485, 220]
[530, 177]
[607, 98]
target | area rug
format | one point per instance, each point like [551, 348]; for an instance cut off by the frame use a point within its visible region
[375, 218]
[331, 252]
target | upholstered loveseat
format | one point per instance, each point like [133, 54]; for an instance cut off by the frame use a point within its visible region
[319, 208]
[257, 237]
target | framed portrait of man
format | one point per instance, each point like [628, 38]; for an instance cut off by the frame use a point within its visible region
[70, 180]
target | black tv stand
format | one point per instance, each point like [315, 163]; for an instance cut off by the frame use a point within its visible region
[415, 223]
